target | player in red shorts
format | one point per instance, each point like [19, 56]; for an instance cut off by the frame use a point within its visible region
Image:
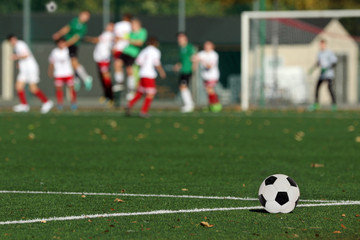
[208, 60]
[61, 70]
[149, 62]
[102, 57]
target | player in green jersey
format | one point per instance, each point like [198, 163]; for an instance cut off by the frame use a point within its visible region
[73, 33]
[137, 38]
[187, 50]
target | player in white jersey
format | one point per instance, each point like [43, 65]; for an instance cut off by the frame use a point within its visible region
[60, 68]
[149, 61]
[28, 74]
[122, 30]
[326, 61]
[208, 60]
[102, 57]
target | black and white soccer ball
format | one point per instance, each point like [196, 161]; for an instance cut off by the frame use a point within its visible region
[51, 6]
[279, 193]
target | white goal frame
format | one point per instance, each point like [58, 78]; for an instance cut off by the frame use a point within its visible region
[245, 37]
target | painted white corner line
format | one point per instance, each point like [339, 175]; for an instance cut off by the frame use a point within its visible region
[151, 195]
[162, 212]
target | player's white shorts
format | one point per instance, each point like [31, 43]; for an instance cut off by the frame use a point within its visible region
[28, 74]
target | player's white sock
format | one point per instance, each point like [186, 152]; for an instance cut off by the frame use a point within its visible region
[131, 83]
[186, 97]
[119, 77]
[80, 70]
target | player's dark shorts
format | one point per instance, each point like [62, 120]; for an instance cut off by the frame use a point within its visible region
[73, 51]
[185, 78]
[128, 60]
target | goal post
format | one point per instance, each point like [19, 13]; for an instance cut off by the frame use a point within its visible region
[248, 49]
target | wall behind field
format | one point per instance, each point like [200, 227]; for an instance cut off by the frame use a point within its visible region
[223, 31]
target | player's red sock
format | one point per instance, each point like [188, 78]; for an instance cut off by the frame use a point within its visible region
[73, 96]
[60, 97]
[41, 96]
[213, 98]
[135, 99]
[22, 96]
[146, 105]
[108, 88]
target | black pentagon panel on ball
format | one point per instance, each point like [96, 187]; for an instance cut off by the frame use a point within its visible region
[282, 198]
[262, 200]
[292, 182]
[270, 180]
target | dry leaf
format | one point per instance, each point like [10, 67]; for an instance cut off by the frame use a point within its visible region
[357, 139]
[123, 190]
[343, 215]
[184, 189]
[206, 224]
[317, 165]
[43, 221]
[119, 200]
[357, 215]
[343, 226]
[336, 232]
[89, 220]
[83, 196]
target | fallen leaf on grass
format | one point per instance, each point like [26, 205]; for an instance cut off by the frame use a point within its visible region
[343, 226]
[317, 165]
[343, 215]
[357, 139]
[206, 224]
[43, 221]
[119, 200]
[336, 232]
[184, 189]
[357, 215]
[83, 196]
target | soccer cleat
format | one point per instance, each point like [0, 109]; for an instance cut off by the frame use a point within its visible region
[46, 107]
[77, 84]
[73, 107]
[21, 108]
[314, 107]
[127, 111]
[187, 109]
[217, 107]
[59, 107]
[102, 100]
[333, 107]
[88, 83]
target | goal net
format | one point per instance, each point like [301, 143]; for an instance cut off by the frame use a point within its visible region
[279, 50]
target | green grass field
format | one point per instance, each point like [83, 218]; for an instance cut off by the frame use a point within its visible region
[199, 154]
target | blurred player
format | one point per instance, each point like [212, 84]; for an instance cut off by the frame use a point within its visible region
[61, 70]
[28, 74]
[326, 61]
[102, 57]
[73, 33]
[149, 62]
[137, 39]
[122, 31]
[208, 60]
[187, 50]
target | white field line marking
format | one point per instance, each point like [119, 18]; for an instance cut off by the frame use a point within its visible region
[161, 212]
[152, 195]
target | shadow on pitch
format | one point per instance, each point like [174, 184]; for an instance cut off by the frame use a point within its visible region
[259, 211]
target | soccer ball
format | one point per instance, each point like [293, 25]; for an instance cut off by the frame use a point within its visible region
[51, 6]
[279, 193]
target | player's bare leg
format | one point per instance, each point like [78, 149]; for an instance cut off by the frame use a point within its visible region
[131, 83]
[81, 72]
[119, 81]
